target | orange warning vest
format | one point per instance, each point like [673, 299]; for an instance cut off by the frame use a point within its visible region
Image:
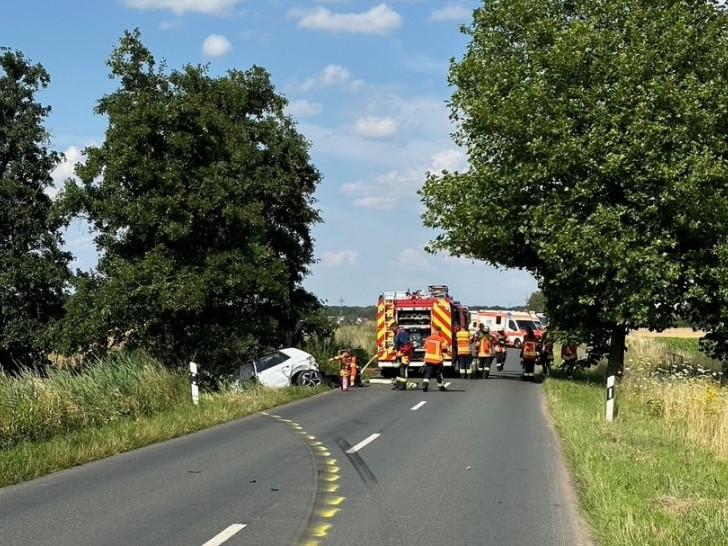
[529, 349]
[485, 347]
[435, 345]
[463, 337]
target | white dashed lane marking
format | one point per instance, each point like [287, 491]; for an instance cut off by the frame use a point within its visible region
[418, 406]
[363, 443]
[225, 535]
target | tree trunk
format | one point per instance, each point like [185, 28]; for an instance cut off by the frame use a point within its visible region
[615, 365]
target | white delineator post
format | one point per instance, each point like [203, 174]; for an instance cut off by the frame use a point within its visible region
[193, 381]
[610, 398]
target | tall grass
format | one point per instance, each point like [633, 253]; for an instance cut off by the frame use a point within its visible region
[669, 351]
[359, 336]
[654, 475]
[681, 387]
[30, 460]
[640, 479]
[36, 408]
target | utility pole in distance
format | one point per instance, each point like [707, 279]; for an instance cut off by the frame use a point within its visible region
[341, 308]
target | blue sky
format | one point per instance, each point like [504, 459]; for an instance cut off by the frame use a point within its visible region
[367, 85]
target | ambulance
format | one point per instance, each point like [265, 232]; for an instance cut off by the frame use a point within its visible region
[513, 323]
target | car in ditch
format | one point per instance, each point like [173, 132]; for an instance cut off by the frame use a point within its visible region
[283, 367]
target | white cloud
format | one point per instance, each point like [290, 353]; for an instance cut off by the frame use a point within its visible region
[448, 160]
[413, 257]
[179, 7]
[340, 259]
[374, 202]
[385, 192]
[376, 127]
[303, 108]
[332, 75]
[426, 65]
[216, 45]
[79, 237]
[256, 35]
[451, 12]
[456, 261]
[64, 170]
[424, 130]
[169, 25]
[378, 20]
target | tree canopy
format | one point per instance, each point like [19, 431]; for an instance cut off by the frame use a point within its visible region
[34, 272]
[536, 302]
[596, 136]
[201, 196]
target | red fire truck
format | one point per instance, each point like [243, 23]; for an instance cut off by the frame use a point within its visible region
[417, 312]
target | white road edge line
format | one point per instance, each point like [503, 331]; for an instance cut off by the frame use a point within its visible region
[418, 406]
[225, 535]
[363, 443]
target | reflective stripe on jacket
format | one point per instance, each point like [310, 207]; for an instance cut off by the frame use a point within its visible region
[568, 352]
[463, 337]
[486, 345]
[435, 346]
[529, 349]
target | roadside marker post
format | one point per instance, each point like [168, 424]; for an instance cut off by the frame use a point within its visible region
[610, 398]
[193, 381]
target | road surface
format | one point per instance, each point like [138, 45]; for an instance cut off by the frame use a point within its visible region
[475, 465]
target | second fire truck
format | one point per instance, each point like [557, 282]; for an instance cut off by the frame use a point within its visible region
[417, 312]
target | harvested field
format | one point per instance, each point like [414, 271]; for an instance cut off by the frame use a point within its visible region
[671, 332]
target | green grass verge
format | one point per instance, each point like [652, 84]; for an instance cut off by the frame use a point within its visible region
[638, 481]
[34, 459]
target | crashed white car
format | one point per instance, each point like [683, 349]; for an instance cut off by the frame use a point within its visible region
[284, 367]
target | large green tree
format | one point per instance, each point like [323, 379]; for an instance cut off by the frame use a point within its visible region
[597, 139]
[33, 267]
[536, 302]
[202, 198]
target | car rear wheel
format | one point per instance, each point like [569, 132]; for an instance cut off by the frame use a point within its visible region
[309, 378]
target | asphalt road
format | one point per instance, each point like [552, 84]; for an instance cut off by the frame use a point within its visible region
[475, 465]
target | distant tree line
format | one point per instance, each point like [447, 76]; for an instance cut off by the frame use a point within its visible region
[351, 313]
[201, 201]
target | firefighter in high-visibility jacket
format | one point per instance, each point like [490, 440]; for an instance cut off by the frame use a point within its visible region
[463, 340]
[569, 357]
[436, 347]
[529, 353]
[546, 356]
[404, 351]
[501, 349]
[348, 369]
[486, 352]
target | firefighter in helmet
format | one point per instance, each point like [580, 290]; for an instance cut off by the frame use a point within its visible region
[529, 353]
[501, 348]
[486, 352]
[546, 356]
[436, 347]
[475, 361]
[404, 350]
[569, 357]
[348, 369]
[463, 340]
